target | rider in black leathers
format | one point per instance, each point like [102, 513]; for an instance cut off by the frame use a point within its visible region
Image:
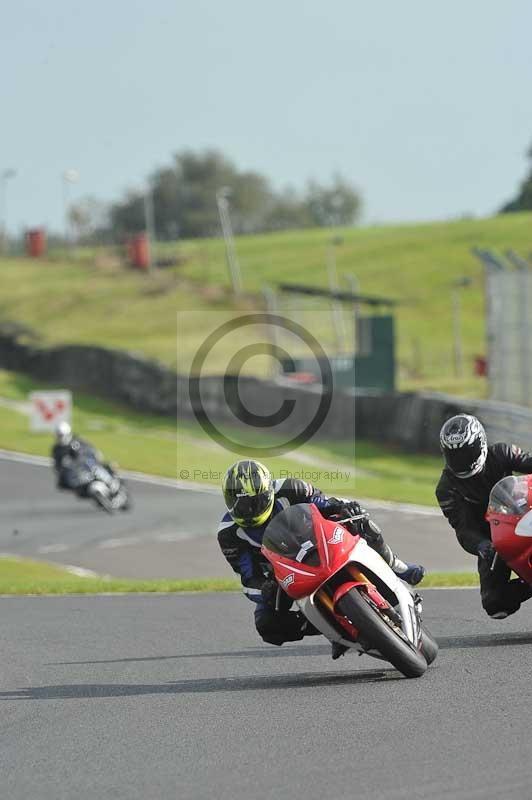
[65, 452]
[69, 453]
[252, 498]
[472, 470]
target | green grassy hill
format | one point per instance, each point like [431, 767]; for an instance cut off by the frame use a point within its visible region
[90, 298]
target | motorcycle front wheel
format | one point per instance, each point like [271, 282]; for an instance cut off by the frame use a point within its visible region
[101, 499]
[429, 646]
[378, 634]
[126, 504]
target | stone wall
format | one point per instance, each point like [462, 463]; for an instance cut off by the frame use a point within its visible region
[410, 421]
[130, 379]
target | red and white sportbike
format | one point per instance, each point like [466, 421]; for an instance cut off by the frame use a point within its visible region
[346, 590]
[510, 517]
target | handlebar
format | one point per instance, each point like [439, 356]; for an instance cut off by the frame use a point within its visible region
[354, 518]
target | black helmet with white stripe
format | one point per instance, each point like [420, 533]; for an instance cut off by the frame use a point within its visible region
[464, 445]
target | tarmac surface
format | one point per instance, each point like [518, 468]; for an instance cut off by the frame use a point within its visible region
[135, 697]
[170, 532]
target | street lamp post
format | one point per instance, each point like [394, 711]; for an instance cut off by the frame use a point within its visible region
[69, 177]
[5, 176]
[225, 221]
[461, 283]
[337, 311]
[354, 285]
[149, 221]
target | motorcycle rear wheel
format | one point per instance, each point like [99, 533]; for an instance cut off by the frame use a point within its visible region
[375, 630]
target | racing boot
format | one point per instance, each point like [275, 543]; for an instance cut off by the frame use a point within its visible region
[410, 573]
[338, 650]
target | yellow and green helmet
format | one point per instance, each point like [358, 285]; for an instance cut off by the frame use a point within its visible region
[249, 493]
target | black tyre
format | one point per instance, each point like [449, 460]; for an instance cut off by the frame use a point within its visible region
[380, 635]
[429, 646]
[127, 503]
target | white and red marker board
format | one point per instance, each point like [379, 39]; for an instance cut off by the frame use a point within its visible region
[48, 409]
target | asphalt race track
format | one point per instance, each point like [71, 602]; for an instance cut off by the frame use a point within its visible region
[169, 532]
[159, 697]
[175, 696]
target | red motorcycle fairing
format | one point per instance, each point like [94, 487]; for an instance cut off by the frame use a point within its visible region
[371, 591]
[510, 501]
[330, 573]
[334, 545]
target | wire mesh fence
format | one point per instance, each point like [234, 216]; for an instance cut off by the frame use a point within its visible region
[509, 333]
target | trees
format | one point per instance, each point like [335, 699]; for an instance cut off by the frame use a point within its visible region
[199, 176]
[89, 218]
[523, 200]
[184, 199]
[287, 211]
[331, 206]
[128, 216]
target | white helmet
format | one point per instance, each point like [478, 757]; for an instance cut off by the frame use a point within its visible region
[63, 433]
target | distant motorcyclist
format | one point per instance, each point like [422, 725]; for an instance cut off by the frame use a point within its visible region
[472, 468]
[252, 498]
[80, 468]
[69, 452]
[65, 453]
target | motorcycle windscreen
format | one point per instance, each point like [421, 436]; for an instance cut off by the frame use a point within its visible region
[510, 496]
[291, 534]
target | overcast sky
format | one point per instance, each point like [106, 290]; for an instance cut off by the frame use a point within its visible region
[425, 106]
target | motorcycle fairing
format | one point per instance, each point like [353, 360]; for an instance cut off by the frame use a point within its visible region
[336, 548]
[510, 516]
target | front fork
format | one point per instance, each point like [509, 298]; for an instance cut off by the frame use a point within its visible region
[329, 599]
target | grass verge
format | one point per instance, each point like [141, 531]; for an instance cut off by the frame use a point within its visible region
[25, 577]
[449, 580]
[162, 446]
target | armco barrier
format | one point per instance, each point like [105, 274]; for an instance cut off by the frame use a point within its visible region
[413, 421]
[410, 421]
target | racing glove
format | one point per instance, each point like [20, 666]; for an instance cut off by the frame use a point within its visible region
[274, 597]
[269, 592]
[342, 508]
[486, 550]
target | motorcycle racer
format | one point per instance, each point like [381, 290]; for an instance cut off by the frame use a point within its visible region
[472, 468]
[64, 453]
[252, 498]
[67, 452]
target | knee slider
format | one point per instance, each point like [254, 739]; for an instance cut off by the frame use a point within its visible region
[496, 608]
